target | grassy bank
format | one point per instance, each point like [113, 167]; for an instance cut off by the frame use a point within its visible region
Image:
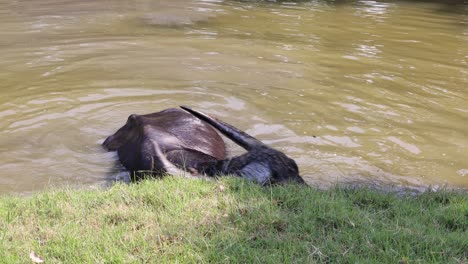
[195, 221]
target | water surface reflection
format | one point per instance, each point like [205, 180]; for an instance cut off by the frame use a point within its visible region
[355, 91]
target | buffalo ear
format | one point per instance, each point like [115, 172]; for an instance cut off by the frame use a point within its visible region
[133, 120]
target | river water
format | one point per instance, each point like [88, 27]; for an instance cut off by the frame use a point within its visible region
[355, 91]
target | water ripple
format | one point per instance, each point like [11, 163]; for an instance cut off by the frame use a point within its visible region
[356, 92]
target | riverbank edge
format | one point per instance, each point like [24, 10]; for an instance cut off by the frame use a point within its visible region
[233, 221]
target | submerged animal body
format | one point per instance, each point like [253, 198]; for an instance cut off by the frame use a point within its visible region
[261, 163]
[170, 141]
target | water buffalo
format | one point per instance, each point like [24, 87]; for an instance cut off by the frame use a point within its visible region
[171, 141]
[260, 163]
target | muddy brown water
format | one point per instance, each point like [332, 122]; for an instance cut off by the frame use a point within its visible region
[355, 91]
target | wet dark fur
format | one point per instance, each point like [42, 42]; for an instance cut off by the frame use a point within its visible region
[261, 163]
[183, 139]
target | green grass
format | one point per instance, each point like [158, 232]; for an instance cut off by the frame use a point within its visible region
[195, 221]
